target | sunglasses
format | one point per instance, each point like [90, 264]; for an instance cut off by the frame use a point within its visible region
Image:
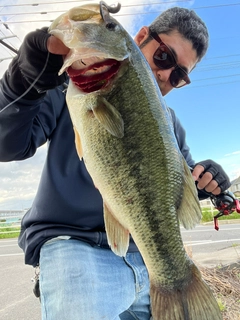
[164, 58]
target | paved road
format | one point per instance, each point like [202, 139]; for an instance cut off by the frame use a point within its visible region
[209, 247]
[17, 302]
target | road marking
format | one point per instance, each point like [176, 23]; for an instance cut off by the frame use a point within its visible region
[11, 254]
[207, 229]
[198, 243]
[8, 245]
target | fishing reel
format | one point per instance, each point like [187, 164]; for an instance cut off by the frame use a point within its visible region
[226, 203]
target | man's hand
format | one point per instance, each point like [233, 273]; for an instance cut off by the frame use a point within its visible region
[55, 46]
[35, 68]
[211, 177]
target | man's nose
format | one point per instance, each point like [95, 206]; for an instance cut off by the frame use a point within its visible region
[164, 75]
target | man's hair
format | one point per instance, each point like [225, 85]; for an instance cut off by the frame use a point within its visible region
[187, 23]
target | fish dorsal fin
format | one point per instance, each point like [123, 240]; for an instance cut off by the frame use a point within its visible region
[117, 235]
[78, 144]
[189, 212]
[109, 117]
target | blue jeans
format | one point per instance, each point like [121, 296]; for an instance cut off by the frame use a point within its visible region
[81, 282]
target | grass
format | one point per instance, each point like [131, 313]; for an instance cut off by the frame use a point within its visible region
[221, 304]
[9, 231]
[225, 285]
[235, 245]
[207, 215]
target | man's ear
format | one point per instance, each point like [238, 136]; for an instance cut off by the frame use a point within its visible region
[141, 36]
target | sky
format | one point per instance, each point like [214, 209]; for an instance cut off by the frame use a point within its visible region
[208, 108]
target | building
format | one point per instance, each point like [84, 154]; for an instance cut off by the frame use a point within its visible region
[235, 187]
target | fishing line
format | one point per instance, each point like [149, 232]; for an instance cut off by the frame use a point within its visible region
[31, 86]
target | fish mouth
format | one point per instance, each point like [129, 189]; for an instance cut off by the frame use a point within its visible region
[95, 76]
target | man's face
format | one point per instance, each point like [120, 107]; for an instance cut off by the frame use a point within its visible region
[186, 56]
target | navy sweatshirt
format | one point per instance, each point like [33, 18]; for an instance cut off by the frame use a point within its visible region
[66, 203]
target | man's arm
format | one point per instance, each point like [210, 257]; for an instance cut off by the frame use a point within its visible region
[180, 135]
[209, 175]
[27, 113]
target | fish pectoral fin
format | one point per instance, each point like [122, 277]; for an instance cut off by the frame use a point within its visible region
[192, 300]
[189, 212]
[78, 144]
[117, 235]
[109, 117]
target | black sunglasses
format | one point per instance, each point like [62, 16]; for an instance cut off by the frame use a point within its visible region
[164, 58]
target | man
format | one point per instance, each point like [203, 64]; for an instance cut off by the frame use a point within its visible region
[63, 232]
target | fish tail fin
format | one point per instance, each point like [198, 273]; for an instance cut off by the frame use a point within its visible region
[192, 301]
[189, 212]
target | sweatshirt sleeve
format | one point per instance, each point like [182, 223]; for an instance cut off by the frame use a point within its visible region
[180, 134]
[25, 124]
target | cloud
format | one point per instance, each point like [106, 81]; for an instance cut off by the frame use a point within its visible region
[230, 163]
[19, 181]
[231, 154]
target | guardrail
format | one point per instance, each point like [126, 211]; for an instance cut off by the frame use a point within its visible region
[207, 204]
[9, 227]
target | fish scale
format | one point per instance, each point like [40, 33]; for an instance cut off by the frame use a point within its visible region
[124, 134]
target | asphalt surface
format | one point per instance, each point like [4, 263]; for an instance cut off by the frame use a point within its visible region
[206, 247]
[211, 248]
[17, 301]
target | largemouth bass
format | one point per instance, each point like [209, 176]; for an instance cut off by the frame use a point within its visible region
[124, 133]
